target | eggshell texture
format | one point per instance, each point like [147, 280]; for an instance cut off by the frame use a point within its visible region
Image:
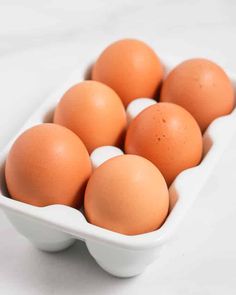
[48, 164]
[127, 194]
[202, 88]
[94, 112]
[131, 68]
[168, 136]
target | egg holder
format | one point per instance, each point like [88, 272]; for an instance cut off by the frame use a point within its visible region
[56, 227]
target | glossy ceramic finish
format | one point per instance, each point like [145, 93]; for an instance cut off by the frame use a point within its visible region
[55, 227]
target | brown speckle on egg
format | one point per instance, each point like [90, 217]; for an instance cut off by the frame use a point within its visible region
[182, 147]
[202, 88]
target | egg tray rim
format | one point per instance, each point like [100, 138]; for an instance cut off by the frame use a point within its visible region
[74, 222]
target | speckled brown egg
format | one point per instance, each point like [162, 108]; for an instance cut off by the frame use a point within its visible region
[94, 112]
[127, 194]
[48, 164]
[131, 68]
[202, 88]
[168, 136]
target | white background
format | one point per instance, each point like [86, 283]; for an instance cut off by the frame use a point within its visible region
[40, 44]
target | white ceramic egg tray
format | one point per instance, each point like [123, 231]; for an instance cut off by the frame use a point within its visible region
[56, 227]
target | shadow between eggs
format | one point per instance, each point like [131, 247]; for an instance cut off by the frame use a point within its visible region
[48, 117]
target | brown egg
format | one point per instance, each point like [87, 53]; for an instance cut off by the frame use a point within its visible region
[94, 112]
[202, 88]
[131, 68]
[168, 136]
[48, 164]
[127, 194]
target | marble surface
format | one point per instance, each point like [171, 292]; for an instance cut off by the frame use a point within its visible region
[41, 43]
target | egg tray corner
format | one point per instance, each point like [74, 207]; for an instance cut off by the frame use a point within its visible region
[56, 227]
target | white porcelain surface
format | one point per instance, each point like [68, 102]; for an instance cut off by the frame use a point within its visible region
[56, 227]
[104, 153]
[40, 45]
[136, 106]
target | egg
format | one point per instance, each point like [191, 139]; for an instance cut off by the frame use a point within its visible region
[131, 68]
[168, 136]
[48, 164]
[127, 194]
[202, 88]
[94, 112]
